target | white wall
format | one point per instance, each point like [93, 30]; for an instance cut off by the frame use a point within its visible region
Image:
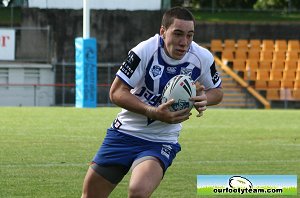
[98, 4]
[17, 82]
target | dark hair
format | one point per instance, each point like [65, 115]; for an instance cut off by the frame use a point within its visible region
[176, 13]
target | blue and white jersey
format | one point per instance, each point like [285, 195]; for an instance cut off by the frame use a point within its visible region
[147, 69]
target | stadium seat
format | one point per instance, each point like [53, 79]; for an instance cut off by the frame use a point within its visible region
[250, 75]
[290, 65]
[239, 65]
[297, 84]
[274, 84]
[292, 55]
[229, 44]
[273, 94]
[227, 56]
[287, 84]
[251, 64]
[289, 74]
[241, 54]
[242, 44]
[280, 45]
[265, 64]
[216, 45]
[293, 45]
[276, 74]
[261, 84]
[266, 55]
[254, 54]
[267, 45]
[296, 94]
[255, 44]
[279, 55]
[297, 75]
[278, 64]
[262, 74]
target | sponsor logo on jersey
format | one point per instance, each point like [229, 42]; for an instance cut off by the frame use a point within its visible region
[171, 70]
[166, 150]
[130, 64]
[186, 71]
[214, 74]
[117, 124]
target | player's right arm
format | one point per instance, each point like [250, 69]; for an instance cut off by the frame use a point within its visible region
[120, 95]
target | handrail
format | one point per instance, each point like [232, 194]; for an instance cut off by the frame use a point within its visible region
[244, 84]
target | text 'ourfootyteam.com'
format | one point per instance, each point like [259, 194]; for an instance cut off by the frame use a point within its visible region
[247, 191]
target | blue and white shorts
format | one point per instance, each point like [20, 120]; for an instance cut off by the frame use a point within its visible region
[119, 149]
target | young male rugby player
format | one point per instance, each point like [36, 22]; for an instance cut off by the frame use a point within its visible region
[144, 135]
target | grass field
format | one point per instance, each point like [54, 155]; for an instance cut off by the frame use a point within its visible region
[45, 151]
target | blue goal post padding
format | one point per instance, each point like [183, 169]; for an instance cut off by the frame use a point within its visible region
[86, 72]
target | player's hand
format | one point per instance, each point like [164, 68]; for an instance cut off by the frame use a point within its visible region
[163, 113]
[200, 100]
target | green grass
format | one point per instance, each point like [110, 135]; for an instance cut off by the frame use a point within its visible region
[44, 152]
[235, 16]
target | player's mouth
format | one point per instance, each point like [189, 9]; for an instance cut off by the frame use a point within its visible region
[180, 51]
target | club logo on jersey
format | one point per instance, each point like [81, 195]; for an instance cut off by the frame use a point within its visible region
[214, 74]
[166, 150]
[156, 71]
[130, 64]
[117, 124]
[171, 70]
[186, 71]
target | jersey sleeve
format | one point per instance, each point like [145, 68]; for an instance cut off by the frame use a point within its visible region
[209, 76]
[133, 68]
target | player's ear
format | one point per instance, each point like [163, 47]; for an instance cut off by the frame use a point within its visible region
[162, 31]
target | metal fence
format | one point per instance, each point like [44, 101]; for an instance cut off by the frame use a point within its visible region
[65, 83]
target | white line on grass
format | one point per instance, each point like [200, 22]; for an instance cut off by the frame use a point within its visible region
[177, 162]
[240, 162]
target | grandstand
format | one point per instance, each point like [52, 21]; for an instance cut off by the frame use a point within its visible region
[270, 67]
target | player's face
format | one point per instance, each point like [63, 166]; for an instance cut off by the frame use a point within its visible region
[178, 38]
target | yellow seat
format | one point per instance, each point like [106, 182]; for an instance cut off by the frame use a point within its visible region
[266, 55]
[278, 65]
[251, 64]
[262, 74]
[280, 45]
[293, 45]
[265, 64]
[242, 44]
[279, 55]
[255, 44]
[290, 65]
[239, 65]
[273, 94]
[254, 54]
[216, 45]
[292, 55]
[261, 84]
[229, 44]
[267, 45]
[275, 74]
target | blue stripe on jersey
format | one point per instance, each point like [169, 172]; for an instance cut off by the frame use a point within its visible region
[148, 79]
[196, 73]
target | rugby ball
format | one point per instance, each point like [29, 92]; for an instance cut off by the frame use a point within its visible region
[180, 88]
[240, 182]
